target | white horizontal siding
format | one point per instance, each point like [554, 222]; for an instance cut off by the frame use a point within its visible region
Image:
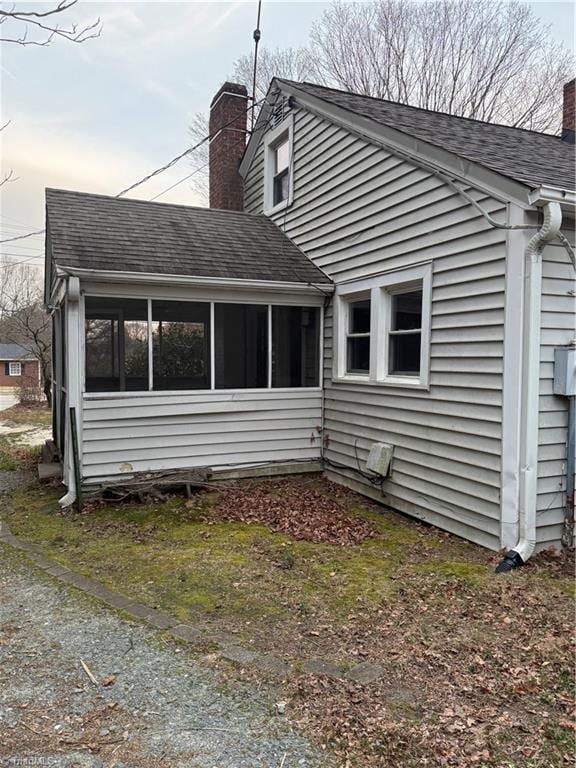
[162, 431]
[359, 211]
[558, 328]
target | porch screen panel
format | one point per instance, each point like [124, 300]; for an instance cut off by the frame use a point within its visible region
[116, 334]
[295, 346]
[181, 345]
[241, 346]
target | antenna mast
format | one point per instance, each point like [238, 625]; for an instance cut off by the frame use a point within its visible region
[257, 35]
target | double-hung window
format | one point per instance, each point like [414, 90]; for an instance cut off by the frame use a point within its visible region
[358, 336]
[383, 328]
[405, 333]
[281, 182]
[278, 166]
[15, 369]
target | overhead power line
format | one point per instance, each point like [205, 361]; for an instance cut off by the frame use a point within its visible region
[185, 153]
[21, 237]
[159, 170]
[197, 170]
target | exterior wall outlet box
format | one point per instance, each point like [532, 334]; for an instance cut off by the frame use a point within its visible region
[379, 458]
[565, 371]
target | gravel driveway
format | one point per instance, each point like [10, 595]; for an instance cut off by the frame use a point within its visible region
[161, 706]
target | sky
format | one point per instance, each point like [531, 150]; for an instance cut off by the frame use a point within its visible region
[101, 115]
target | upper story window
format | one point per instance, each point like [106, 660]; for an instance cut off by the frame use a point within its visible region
[15, 369]
[383, 328]
[278, 166]
[281, 181]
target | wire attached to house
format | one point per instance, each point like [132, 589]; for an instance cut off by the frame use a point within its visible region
[187, 152]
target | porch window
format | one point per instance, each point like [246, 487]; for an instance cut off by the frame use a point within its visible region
[15, 369]
[116, 344]
[241, 345]
[169, 345]
[295, 346]
[181, 345]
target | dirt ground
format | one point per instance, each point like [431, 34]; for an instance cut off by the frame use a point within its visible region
[475, 669]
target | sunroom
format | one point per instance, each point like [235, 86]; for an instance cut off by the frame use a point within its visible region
[184, 338]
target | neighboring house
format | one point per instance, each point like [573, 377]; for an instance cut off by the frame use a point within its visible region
[201, 333]
[18, 367]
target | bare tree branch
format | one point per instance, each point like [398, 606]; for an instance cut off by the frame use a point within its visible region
[22, 24]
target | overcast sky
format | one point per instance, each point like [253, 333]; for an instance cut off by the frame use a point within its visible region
[99, 116]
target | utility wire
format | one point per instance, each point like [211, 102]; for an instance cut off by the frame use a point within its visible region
[158, 170]
[197, 170]
[186, 152]
[21, 237]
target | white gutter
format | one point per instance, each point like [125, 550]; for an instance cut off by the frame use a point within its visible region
[526, 544]
[545, 194]
[114, 276]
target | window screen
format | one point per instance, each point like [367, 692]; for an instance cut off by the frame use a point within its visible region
[181, 345]
[241, 346]
[405, 333]
[116, 344]
[295, 346]
[358, 337]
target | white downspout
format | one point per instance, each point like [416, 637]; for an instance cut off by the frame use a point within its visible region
[531, 387]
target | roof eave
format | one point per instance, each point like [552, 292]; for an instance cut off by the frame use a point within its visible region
[197, 281]
[496, 184]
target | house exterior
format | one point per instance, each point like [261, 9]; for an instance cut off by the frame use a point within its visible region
[17, 367]
[436, 255]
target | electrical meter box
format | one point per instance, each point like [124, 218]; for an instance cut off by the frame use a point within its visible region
[379, 458]
[565, 371]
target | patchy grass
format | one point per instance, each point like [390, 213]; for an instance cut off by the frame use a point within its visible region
[478, 668]
[35, 415]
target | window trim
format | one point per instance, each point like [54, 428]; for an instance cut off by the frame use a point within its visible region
[271, 140]
[110, 395]
[17, 365]
[380, 288]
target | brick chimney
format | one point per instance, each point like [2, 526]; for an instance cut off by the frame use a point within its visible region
[228, 113]
[569, 112]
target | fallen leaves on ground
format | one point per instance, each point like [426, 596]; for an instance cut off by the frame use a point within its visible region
[300, 511]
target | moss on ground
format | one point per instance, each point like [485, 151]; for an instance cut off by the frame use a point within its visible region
[419, 602]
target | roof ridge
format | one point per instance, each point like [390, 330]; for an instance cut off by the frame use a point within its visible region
[259, 216]
[418, 109]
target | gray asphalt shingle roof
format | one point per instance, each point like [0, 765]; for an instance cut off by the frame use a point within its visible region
[13, 352]
[107, 233]
[528, 157]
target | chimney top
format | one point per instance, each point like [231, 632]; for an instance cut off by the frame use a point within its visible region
[569, 112]
[228, 115]
[230, 88]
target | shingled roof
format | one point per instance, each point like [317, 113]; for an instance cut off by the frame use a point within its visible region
[14, 352]
[119, 234]
[528, 157]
